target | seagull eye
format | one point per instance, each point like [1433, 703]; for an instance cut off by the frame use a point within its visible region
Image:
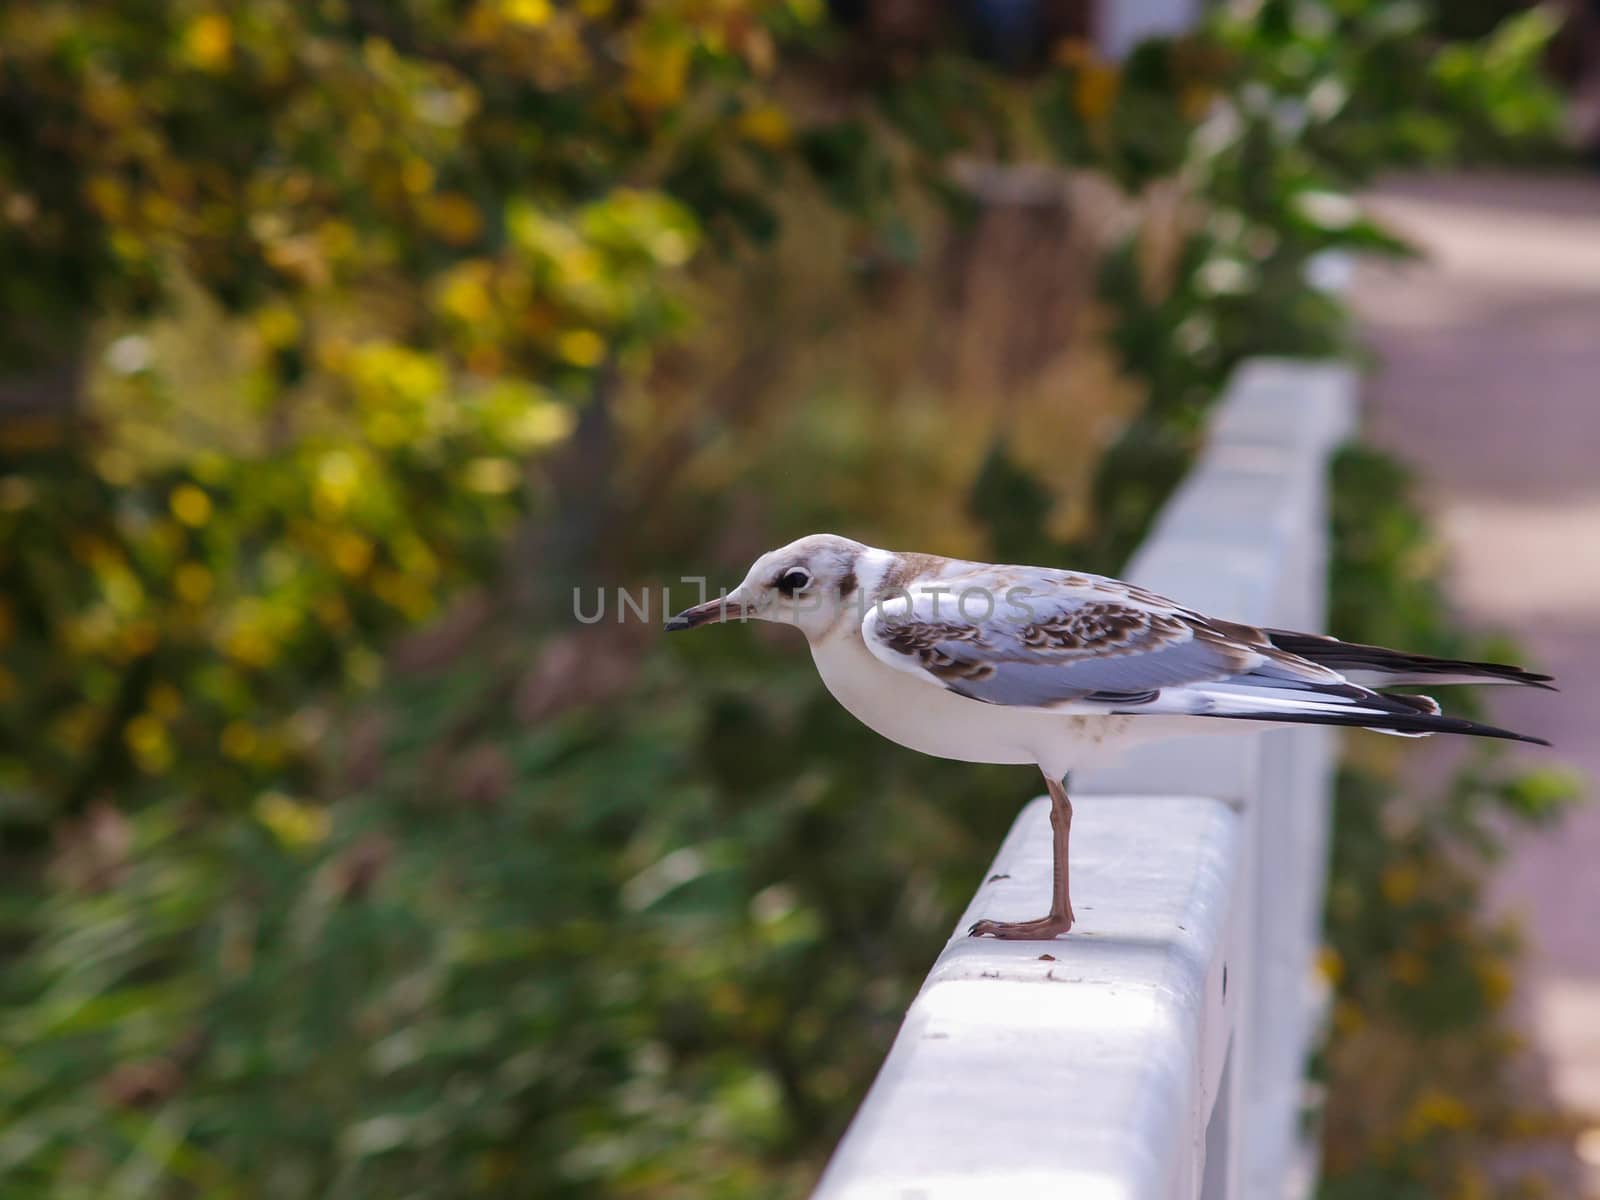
[795, 579]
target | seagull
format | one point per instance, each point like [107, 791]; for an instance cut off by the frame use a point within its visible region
[1060, 669]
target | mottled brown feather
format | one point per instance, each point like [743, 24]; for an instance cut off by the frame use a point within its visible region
[1100, 629]
[1103, 629]
[908, 568]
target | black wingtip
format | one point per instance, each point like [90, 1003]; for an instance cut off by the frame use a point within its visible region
[1356, 656]
[1545, 683]
[1475, 729]
[1412, 723]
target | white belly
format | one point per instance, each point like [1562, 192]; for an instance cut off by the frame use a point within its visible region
[925, 717]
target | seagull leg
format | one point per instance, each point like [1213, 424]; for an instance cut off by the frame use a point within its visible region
[1060, 918]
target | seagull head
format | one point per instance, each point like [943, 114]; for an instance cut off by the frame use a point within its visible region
[808, 583]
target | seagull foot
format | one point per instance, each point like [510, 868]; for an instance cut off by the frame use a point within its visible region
[1041, 930]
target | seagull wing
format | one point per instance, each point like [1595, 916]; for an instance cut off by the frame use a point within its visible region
[1038, 639]
[1052, 640]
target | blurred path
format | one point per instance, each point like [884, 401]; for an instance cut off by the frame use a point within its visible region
[1489, 383]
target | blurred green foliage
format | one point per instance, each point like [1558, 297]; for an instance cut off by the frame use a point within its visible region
[1423, 1096]
[416, 234]
[331, 322]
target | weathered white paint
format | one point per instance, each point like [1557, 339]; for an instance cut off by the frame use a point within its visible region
[1120, 1066]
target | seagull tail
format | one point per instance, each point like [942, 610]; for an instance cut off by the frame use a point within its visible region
[1377, 666]
[1399, 725]
[1269, 699]
[1345, 705]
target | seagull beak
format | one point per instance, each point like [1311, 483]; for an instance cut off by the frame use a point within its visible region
[720, 609]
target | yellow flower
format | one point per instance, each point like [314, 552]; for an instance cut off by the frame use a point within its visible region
[298, 826]
[672, 247]
[454, 217]
[208, 42]
[190, 505]
[352, 553]
[581, 347]
[657, 72]
[338, 476]
[247, 639]
[578, 265]
[385, 373]
[417, 175]
[147, 738]
[193, 583]
[766, 125]
[543, 423]
[531, 13]
[415, 559]
[108, 195]
[491, 476]
[121, 588]
[464, 293]
[277, 325]
[402, 592]
[1331, 965]
[339, 239]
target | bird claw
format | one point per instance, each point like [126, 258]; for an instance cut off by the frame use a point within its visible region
[1042, 930]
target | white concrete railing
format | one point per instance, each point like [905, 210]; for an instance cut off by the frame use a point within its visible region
[1159, 1049]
